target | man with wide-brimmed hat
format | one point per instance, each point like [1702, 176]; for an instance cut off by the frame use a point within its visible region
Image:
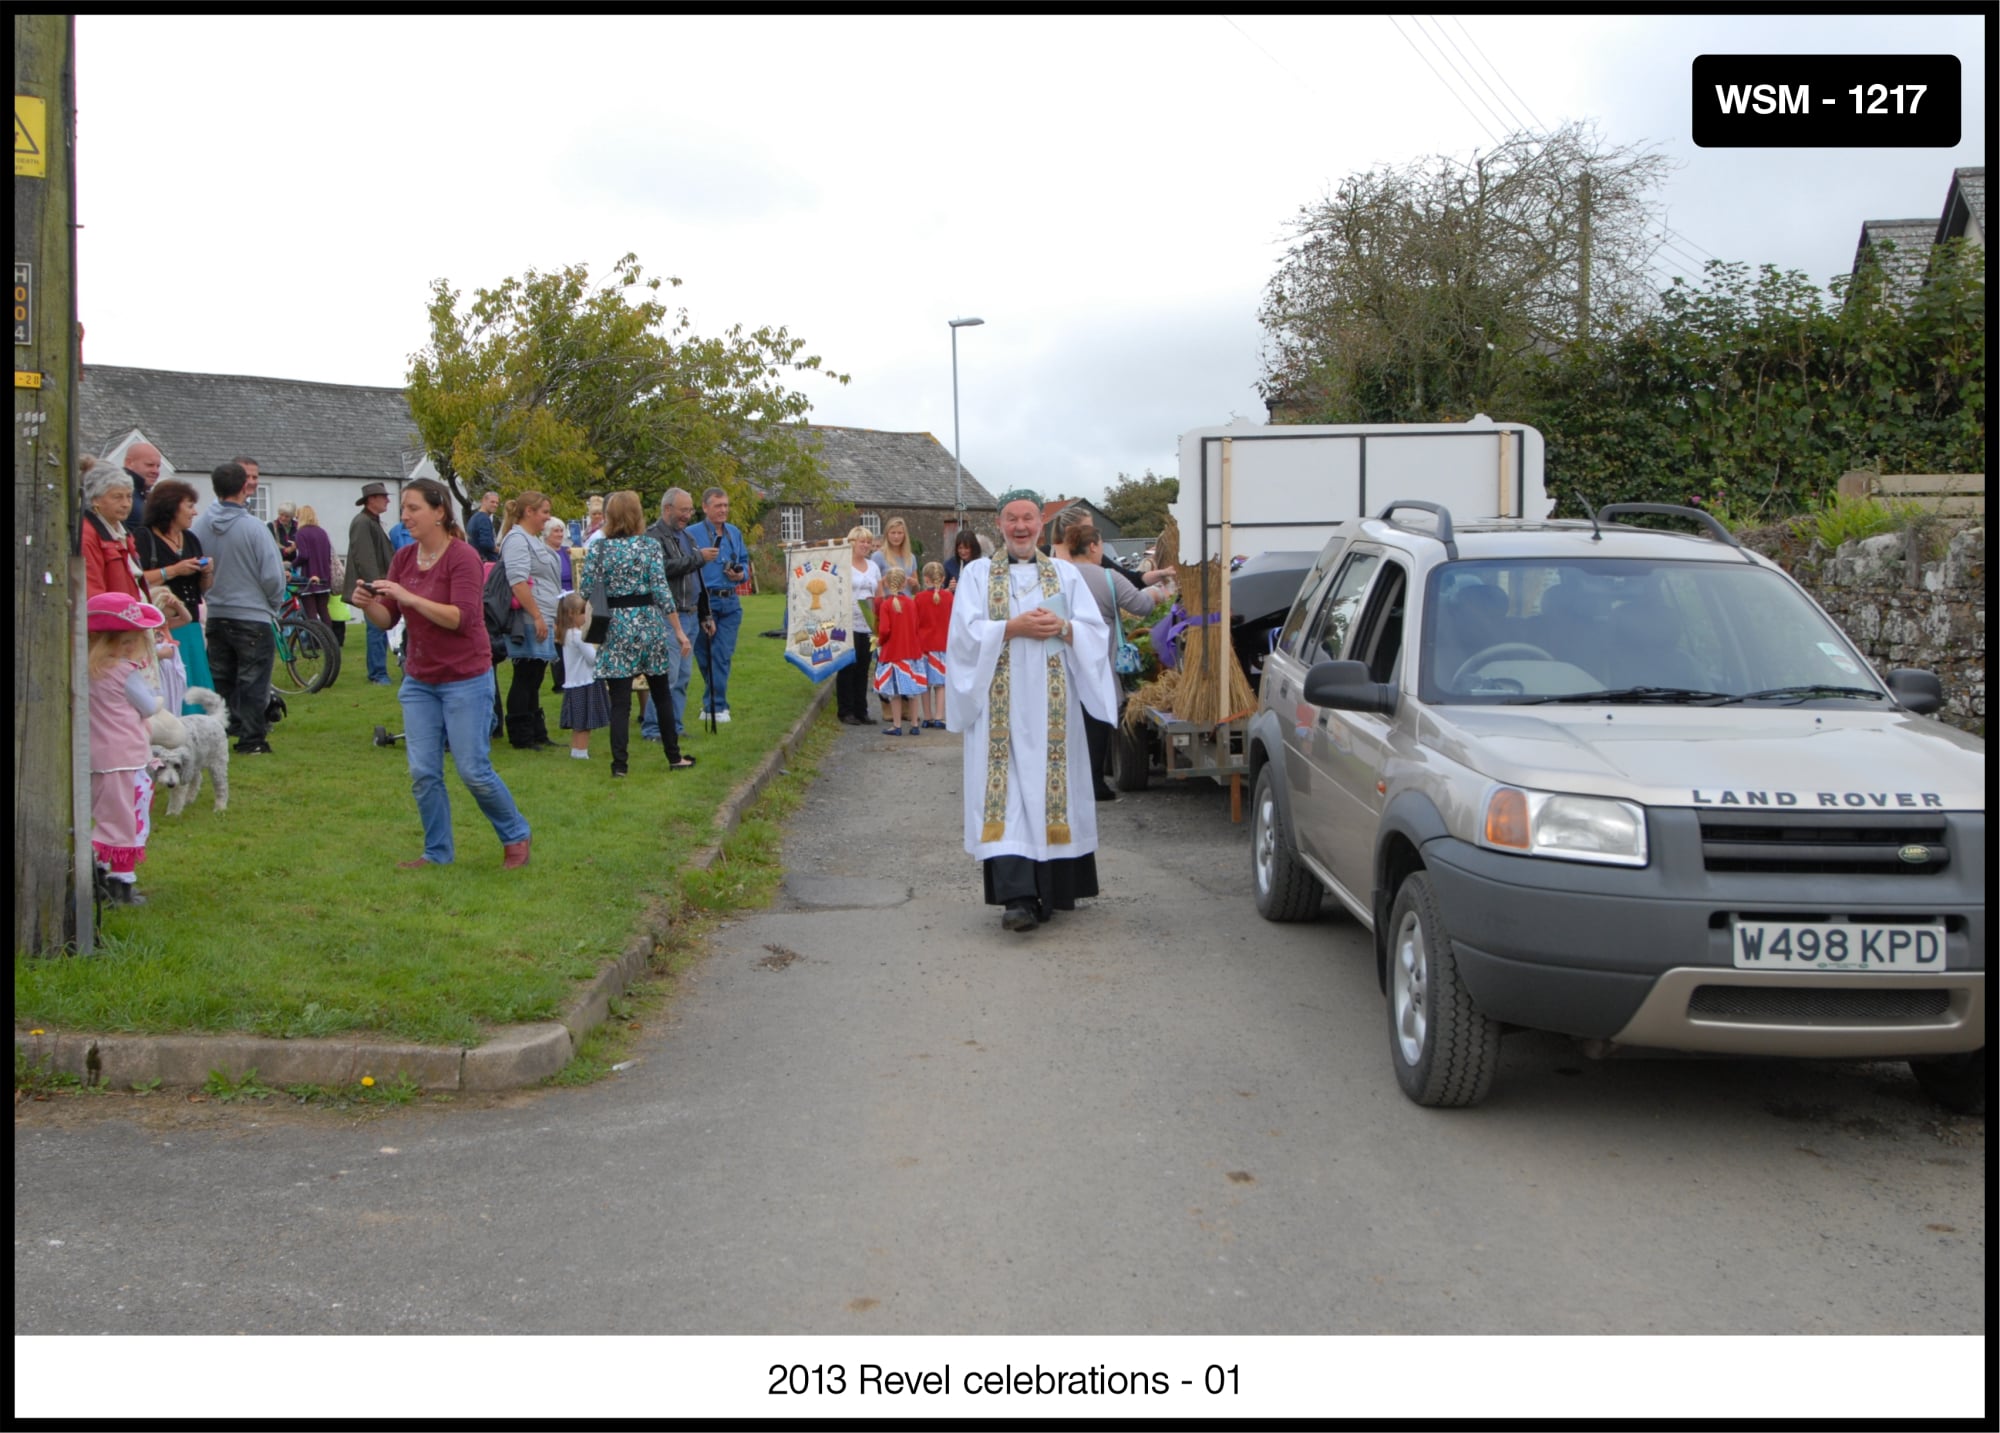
[368, 554]
[1027, 656]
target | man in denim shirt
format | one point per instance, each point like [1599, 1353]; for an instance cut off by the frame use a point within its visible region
[715, 646]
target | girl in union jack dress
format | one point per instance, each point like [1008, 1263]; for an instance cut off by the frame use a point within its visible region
[933, 626]
[900, 664]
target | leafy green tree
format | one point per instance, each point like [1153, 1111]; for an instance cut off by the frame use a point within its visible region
[1754, 393]
[550, 383]
[1424, 292]
[1139, 505]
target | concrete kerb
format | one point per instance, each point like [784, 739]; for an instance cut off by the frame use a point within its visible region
[516, 1056]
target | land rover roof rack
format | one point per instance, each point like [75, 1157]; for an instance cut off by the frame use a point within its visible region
[1437, 510]
[1706, 519]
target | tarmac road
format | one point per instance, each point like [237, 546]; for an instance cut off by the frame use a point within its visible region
[872, 1111]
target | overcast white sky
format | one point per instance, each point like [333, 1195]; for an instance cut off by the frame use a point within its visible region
[273, 196]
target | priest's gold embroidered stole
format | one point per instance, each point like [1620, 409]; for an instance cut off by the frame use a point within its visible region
[998, 714]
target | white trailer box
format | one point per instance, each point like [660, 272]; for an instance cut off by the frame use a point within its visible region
[1292, 485]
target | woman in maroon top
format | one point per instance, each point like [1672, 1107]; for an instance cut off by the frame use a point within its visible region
[435, 587]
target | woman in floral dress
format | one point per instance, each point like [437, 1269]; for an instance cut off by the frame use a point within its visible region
[644, 621]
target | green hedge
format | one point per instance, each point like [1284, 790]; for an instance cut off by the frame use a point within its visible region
[1753, 394]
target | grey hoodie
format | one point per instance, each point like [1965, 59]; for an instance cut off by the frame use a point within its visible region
[249, 574]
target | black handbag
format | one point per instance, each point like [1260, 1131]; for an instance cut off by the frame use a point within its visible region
[600, 612]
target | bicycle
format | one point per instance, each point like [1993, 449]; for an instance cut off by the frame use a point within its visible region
[308, 653]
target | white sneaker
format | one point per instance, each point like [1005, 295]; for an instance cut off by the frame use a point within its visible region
[576, 755]
[722, 715]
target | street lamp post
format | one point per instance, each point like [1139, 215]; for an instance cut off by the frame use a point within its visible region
[957, 463]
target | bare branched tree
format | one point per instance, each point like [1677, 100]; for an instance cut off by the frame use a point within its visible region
[1422, 292]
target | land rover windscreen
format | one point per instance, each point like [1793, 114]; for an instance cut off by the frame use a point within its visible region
[1548, 630]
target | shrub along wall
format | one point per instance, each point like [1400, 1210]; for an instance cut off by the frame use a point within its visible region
[1905, 603]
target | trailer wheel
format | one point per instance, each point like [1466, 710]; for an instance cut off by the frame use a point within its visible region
[1128, 759]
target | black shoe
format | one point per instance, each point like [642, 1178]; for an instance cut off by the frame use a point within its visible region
[618, 769]
[1019, 916]
[253, 748]
[125, 893]
[1107, 794]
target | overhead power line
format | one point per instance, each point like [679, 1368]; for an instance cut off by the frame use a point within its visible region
[1670, 237]
[1506, 123]
[1496, 71]
[1514, 121]
[1679, 235]
[1310, 92]
[1447, 84]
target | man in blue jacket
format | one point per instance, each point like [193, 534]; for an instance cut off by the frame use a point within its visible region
[242, 605]
[714, 649]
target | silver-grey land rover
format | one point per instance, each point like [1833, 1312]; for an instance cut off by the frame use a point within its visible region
[1624, 783]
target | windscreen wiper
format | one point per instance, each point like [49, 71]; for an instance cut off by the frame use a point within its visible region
[1807, 692]
[1674, 696]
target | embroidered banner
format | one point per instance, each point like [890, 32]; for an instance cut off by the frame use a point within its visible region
[819, 606]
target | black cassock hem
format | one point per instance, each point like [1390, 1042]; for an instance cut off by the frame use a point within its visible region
[1054, 885]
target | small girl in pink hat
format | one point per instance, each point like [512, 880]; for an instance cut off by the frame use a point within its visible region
[122, 696]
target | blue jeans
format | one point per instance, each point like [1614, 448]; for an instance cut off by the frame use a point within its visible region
[649, 720]
[712, 655]
[463, 711]
[378, 652]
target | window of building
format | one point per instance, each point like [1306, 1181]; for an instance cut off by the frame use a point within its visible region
[873, 522]
[262, 505]
[791, 525]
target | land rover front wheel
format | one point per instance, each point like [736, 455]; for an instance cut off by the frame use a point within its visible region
[1444, 1050]
[1286, 890]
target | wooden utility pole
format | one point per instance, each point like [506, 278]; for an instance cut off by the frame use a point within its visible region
[1583, 262]
[52, 907]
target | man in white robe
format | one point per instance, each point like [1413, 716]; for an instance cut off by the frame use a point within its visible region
[1033, 829]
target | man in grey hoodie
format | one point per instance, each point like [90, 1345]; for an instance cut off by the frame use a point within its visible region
[249, 588]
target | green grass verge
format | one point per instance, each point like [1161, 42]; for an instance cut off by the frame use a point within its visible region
[285, 915]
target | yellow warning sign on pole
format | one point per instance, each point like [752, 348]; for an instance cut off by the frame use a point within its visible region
[31, 137]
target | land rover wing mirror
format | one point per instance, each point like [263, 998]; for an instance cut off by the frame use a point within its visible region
[1914, 689]
[1347, 687]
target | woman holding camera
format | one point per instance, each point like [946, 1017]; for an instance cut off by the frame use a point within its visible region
[436, 588]
[171, 555]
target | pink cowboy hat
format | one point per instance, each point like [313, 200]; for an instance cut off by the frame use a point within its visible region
[117, 612]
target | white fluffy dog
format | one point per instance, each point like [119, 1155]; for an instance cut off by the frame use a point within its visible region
[206, 750]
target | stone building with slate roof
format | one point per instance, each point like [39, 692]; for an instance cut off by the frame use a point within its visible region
[1059, 514]
[318, 443]
[1908, 261]
[879, 476]
[315, 443]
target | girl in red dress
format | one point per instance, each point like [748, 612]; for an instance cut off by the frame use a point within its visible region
[899, 653]
[933, 626]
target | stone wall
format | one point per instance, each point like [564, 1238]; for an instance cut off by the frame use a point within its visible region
[1904, 606]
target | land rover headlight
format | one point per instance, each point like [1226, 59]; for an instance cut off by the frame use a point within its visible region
[1570, 828]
